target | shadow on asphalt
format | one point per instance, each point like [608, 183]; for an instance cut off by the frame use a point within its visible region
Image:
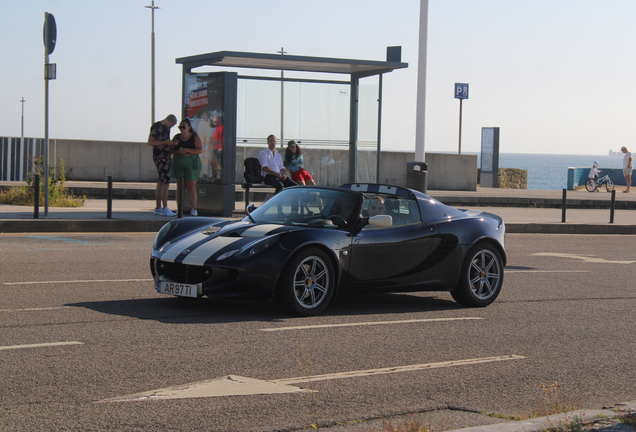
[208, 311]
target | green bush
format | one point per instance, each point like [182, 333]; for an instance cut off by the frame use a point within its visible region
[59, 196]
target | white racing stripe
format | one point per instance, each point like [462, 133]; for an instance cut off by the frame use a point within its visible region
[259, 230]
[234, 385]
[40, 345]
[388, 370]
[76, 281]
[173, 250]
[369, 323]
[206, 250]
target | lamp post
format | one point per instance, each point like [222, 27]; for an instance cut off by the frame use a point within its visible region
[152, 7]
[282, 96]
[21, 174]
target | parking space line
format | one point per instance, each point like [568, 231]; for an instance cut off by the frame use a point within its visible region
[547, 271]
[368, 323]
[40, 345]
[387, 370]
[35, 309]
[77, 281]
[586, 258]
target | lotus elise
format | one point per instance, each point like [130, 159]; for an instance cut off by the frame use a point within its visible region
[309, 244]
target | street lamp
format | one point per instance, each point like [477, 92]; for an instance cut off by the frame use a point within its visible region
[152, 7]
[282, 96]
[22, 138]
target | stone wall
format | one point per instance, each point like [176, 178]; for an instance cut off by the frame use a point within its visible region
[513, 178]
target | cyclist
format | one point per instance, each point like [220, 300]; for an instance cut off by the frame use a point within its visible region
[593, 176]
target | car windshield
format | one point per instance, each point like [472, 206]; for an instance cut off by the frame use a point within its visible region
[307, 206]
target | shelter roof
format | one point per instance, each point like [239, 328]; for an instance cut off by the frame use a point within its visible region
[291, 63]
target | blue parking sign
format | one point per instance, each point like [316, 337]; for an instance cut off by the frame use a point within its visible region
[461, 91]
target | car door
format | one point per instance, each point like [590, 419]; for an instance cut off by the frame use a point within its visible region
[384, 257]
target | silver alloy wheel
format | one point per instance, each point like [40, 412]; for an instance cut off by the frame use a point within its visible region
[311, 282]
[484, 274]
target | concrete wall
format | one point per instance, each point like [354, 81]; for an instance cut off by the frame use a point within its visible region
[579, 176]
[96, 160]
[132, 161]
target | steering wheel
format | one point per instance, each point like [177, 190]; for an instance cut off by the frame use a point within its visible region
[339, 221]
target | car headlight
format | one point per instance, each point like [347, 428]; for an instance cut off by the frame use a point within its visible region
[227, 254]
[161, 235]
[257, 246]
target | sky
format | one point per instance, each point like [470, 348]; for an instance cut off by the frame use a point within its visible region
[555, 76]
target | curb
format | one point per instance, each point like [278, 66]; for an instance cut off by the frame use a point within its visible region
[543, 423]
[79, 225]
[533, 202]
[568, 228]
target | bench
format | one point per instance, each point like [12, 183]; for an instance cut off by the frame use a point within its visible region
[248, 186]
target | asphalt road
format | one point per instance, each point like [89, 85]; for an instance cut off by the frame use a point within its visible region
[82, 330]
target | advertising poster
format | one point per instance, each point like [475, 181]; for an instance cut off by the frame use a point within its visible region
[203, 98]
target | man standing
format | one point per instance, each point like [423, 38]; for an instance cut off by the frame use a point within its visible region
[159, 139]
[272, 167]
[627, 168]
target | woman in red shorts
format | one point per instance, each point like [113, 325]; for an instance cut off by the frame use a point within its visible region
[294, 163]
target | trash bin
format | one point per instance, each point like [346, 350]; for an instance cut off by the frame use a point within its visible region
[417, 176]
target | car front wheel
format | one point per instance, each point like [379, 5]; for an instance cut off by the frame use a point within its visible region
[481, 277]
[307, 283]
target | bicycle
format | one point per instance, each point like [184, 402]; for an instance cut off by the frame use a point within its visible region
[592, 185]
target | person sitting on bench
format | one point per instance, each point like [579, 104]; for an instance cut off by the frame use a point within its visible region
[272, 167]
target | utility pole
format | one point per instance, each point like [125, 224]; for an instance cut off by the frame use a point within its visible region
[152, 7]
[21, 174]
[282, 96]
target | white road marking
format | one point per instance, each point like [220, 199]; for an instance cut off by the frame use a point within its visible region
[233, 385]
[77, 281]
[547, 271]
[35, 309]
[586, 258]
[369, 323]
[388, 370]
[40, 345]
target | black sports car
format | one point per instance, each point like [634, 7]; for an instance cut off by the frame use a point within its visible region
[308, 244]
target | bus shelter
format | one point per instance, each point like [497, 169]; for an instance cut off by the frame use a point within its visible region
[315, 106]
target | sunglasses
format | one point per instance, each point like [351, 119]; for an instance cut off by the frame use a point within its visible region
[183, 127]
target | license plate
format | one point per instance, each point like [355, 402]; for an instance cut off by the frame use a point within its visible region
[178, 289]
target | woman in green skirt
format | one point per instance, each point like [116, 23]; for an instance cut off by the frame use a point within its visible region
[186, 163]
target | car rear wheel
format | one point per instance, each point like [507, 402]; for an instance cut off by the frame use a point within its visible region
[481, 277]
[307, 283]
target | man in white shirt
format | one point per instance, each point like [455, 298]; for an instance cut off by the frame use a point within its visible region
[272, 167]
[627, 168]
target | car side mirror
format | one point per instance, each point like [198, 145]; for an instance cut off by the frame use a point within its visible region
[250, 208]
[383, 221]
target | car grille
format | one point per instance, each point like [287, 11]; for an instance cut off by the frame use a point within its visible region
[183, 273]
[191, 274]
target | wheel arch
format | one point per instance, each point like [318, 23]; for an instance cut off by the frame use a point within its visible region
[493, 242]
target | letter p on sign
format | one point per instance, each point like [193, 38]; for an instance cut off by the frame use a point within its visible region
[461, 91]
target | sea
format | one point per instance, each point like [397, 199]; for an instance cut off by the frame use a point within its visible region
[550, 171]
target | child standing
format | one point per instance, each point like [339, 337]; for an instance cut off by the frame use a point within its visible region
[594, 172]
